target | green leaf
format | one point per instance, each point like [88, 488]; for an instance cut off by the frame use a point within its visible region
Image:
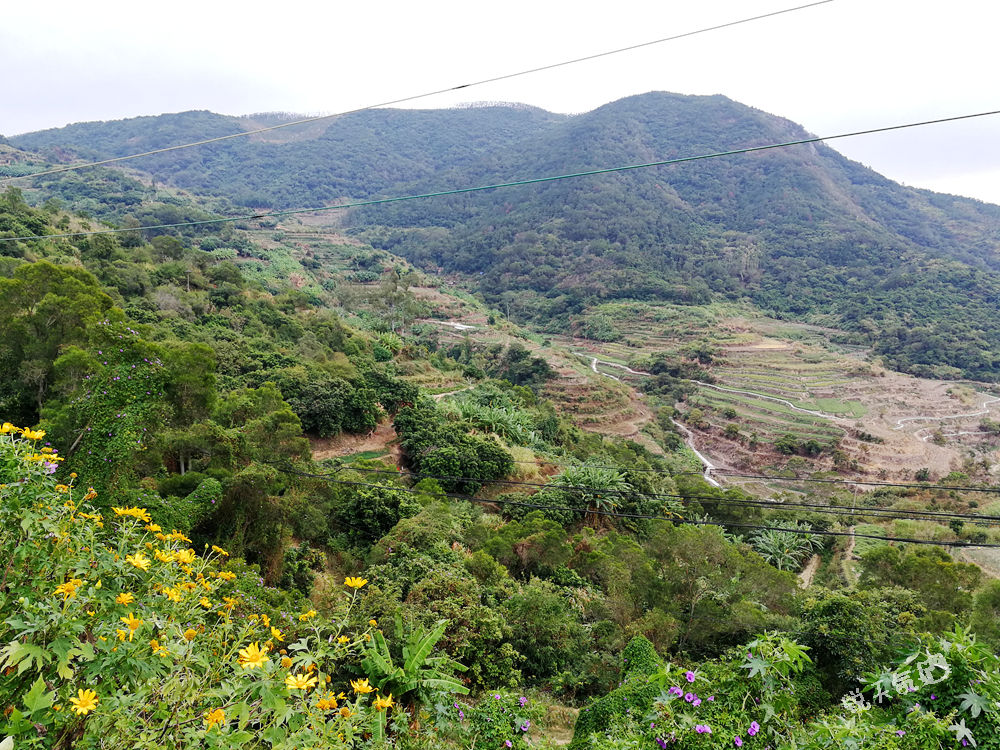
[242, 714]
[973, 703]
[38, 698]
[238, 739]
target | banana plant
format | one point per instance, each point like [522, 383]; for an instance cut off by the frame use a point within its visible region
[418, 674]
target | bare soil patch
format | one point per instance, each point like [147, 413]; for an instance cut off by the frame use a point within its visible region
[381, 439]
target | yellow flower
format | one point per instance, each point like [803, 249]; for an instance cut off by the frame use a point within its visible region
[141, 513]
[84, 703]
[277, 634]
[266, 621]
[361, 687]
[190, 634]
[252, 656]
[98, 584]
[188, 585]
[158, 650]
[286, 662]
[325, 704]
[62, 488]
[153, 527]
[343, 639]
[230, 601]
[219, 550]
[307, 615]
[125, 598]
[205, 602]
[91, 494]
[185, 557]
[7, 427]
[68, 589]
[133, 623]
[121, 634]
[72, 475]
[177, 536]
[33, 435]
[218, 716]
[346, 713]
[382, 703]
[227, 575]
[299, 682]
[172, 594]
[373, 622]
[355, 583]
[138, 560]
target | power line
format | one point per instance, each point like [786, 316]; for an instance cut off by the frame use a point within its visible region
[909, 485]
[773, 478]
[515, 183]
[842, 510]
[640, 516]
[414, 97]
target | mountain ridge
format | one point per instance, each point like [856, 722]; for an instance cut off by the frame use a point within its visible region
[801, 231]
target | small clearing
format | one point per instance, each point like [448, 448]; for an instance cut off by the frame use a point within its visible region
[379, 440]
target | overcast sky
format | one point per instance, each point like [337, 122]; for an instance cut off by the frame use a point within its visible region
[846, 65]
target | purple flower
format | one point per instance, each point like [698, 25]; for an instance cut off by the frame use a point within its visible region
[689, 676]
[496, 696]
[525, 725]
[522, 700]
[702, 728]
[900, 732]
[689, 697]
[754, 728]
[696, 702]
[738, 741]
[676, 691]
[661, 742]
[508, 743]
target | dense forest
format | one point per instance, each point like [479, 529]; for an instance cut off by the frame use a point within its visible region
[181, 568]
[802, 232]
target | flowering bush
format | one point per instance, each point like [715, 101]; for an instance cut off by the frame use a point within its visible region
[116, 634]
[499, 720]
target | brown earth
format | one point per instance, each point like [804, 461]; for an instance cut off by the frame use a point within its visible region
[380, 439]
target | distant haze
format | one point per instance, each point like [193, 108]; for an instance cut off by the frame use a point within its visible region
[846, 65]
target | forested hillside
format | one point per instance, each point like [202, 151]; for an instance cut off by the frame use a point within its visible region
[204, 543]
[802, 231]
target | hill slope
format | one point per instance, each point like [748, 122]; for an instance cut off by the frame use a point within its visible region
[803, 232]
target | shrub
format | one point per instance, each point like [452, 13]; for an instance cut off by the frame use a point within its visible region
[118, 635]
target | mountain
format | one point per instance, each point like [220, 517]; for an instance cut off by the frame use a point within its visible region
[802, 231]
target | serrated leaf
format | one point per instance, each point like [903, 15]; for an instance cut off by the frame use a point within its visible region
[242, 714]
[973, 703]
[38, 698]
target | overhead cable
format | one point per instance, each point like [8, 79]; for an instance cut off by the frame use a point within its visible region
[639, 516]
[415, 97]
[515, 183]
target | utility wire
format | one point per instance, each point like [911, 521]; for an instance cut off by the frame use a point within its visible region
[641, 516]
[889, 513]
[772, 478]
[515, 183]
[414, 97]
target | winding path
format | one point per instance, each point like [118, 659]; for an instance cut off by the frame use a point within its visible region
[984, 409]
[785, 402]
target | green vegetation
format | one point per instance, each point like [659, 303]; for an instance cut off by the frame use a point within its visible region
[490, 547]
